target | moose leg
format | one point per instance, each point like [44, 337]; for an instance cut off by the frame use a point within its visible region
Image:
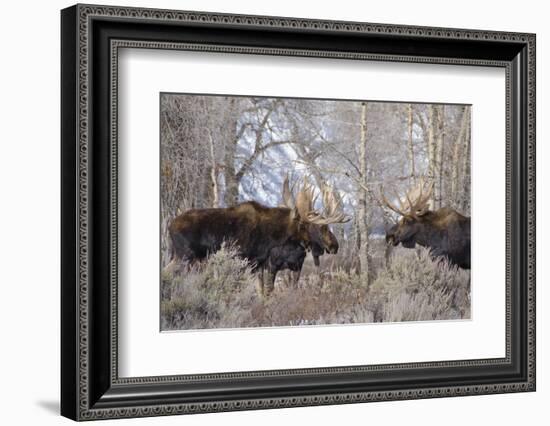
[294, 278]
[268, 282]
[260, 282]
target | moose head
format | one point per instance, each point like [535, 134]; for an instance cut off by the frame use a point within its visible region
[413, 210]
[445, 231]
[320, 236]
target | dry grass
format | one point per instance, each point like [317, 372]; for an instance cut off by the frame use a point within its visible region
[221, 293]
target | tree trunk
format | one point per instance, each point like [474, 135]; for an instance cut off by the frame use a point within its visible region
[457, 147]
[231, 195]
[204, 196]
[410, 144]
[440, 145]
[362, 201]
[388, 248]
[432, 117]
[232, 176]
[213, 172]
[465, 173]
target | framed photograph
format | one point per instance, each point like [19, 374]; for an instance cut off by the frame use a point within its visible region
[263, 212]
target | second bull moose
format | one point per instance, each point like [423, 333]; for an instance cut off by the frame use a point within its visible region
[444, 231]
[271, 238]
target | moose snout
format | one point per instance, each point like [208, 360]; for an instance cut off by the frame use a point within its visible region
[331, 244]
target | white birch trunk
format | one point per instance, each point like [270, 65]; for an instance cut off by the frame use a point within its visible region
[213, 173]
[410, 145]
[457, 149]
[440, 144]
[362, 201]
[432, 117]
[465, 173]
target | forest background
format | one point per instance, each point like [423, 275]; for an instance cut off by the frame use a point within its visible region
[217, 151]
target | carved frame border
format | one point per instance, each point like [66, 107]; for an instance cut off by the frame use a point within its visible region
[85, 13]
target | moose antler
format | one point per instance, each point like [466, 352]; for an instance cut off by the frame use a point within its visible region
[305, 200]
[305, 203]
[288, 199]
[421, 197]
[418, 200]
[331, 205]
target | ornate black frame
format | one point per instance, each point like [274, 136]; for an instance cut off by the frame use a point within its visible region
[91, 37]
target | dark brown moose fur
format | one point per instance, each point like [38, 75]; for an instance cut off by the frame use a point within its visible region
[445, 231]
[271, 238]
[322, 241]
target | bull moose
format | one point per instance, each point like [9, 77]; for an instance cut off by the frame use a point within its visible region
[444, 231]
[271, 238]
[322, 240]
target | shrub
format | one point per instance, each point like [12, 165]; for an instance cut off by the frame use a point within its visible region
[221, 293]
[210, 294]
[415, 287]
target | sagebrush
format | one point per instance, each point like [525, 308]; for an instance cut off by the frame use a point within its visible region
[221, 293]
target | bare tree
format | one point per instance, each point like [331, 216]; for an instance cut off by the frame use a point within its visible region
[217, 151]
[439, 156]
[214, 171]
[257, 132]
[233, 135]
[363, 196]
[410, 142]
[465, 174]
[432, 129]
[457, 164]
